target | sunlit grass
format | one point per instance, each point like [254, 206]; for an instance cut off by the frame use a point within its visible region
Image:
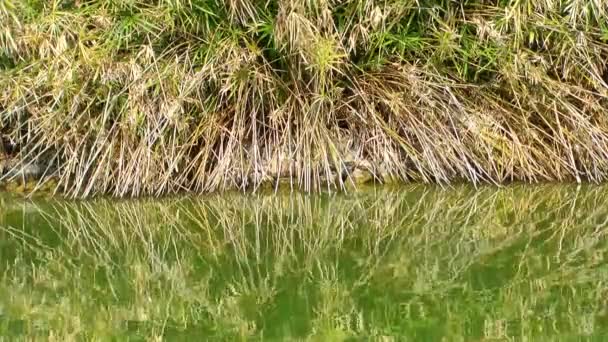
[158, 97]
[522, 262]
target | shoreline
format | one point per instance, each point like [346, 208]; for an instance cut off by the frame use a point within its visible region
[30, 181]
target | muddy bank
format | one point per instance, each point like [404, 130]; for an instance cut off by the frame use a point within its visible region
[24, 177]
[19, 176]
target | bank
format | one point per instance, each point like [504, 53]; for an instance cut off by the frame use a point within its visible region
[146, 98]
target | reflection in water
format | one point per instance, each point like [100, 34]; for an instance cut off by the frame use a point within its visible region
[422, 262]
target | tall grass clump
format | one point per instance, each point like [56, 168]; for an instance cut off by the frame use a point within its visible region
[146, 97]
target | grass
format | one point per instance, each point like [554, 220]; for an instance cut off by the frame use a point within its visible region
[157, 97]
[465, 264]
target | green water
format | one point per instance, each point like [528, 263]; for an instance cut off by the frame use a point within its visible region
[409, 264]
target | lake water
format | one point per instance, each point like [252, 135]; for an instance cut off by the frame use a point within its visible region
[417, 263]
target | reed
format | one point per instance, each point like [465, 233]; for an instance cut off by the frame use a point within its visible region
[156, 97]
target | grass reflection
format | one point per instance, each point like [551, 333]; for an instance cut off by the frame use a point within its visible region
[417, 262]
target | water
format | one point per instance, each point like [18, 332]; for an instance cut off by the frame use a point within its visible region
[409, 264]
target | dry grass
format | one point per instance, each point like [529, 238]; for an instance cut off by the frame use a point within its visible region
[154, 97]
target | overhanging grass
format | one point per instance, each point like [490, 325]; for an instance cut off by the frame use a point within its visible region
[151, 97]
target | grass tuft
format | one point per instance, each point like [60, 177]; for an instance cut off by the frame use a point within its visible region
[156, 97]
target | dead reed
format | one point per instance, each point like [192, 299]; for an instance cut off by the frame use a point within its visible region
[149, 97]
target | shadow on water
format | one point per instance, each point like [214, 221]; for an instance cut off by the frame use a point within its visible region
[414, 263]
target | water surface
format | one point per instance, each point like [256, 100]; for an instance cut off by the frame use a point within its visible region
[413, 263]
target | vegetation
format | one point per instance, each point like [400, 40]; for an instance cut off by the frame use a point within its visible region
[147, 97]
[523, 263]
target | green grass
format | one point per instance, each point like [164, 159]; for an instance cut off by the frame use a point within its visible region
[136, 97]
[523, 263]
